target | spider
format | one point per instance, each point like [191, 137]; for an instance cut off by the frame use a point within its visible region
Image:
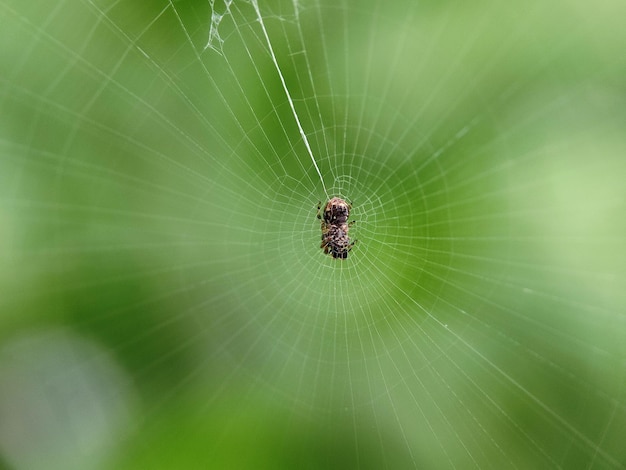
[335, 227]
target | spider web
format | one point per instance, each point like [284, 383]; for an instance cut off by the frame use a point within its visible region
[161, 164]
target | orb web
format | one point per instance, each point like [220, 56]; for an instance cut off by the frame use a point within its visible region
[167, 208]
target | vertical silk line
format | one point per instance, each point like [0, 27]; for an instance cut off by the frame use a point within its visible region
[293, 108]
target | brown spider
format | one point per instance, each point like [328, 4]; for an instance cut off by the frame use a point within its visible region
[335, 227]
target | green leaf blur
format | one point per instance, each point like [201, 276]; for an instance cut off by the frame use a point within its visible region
[164, 302]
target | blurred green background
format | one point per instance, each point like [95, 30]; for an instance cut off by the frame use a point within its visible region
[163, 299]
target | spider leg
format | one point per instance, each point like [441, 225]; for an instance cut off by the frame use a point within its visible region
[319, 207]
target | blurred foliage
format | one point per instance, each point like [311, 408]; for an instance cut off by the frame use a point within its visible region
[158, 235]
